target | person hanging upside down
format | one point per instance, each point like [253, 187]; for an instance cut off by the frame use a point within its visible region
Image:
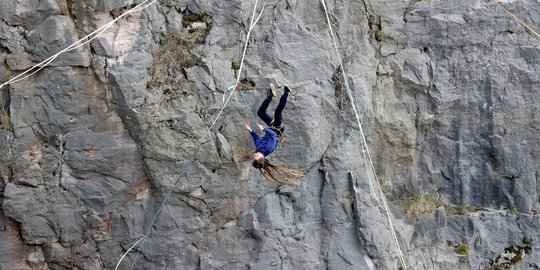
[268, 143]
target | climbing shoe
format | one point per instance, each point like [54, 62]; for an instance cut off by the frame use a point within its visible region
[273, 90]
[287, 89]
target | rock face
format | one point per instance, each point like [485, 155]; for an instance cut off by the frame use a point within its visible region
[91, 145]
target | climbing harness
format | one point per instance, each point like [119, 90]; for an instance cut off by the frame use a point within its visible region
[364, 142]
[81, 42]
[183, 172]
[277, 129]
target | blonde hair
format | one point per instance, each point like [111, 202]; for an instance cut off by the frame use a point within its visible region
[278, 174]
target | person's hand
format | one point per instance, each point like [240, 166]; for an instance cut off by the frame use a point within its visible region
[261, 128]
[247, 126]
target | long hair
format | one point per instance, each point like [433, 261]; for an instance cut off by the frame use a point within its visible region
[276, 173]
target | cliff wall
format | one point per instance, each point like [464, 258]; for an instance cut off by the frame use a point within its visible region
[91, 144]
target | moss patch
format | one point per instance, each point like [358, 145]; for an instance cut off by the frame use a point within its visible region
[5, 121]
[235, 64]
[11, 161]
[341, 96]
[511, 256]
[453, 210]
[190, 18]
[375, 27]
[246, 84]
[350, 197]
[462, 249]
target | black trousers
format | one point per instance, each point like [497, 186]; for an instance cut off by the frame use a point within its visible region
[275, 123]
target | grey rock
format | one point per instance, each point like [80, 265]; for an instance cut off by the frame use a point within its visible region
[28, 12]
[197, 193]
[18, 61]
[93, 223]
[413, 65]
[445, 91]
[3, 218]
[104, 5]
[68, 225]
[249, 220]
[14, 42]
[472, 232]
[28, 172]
[51, 36]
[14, 251]
[118, 41]
[56, 254]
[35, 258]
[274, 212]
[37, 230]
[7, 159]
[123, 80]
[21, 203]
[109, 250]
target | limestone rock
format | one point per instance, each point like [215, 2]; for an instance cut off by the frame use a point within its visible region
[51, 36]
[445, 90]
[28, 12]
[36, 258]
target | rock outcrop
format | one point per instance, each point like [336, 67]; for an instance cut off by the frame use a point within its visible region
[91, 144]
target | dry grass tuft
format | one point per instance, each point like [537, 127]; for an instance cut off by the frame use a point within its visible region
[179, 52]
[5, 121]
[453, 210]
[420, 205]
[175, 55]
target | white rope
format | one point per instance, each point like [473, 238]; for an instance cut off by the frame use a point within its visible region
[226, 101]
[182, 173]
[128, 251]
[365, 151]
[251, 26]
[81, 42]
[364, 143]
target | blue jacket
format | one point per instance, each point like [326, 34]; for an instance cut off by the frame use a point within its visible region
[267, 143]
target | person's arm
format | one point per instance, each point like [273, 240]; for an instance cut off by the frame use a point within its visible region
[247, 126]
[255, 136]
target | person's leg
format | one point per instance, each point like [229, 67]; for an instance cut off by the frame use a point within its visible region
[278, 115]
[267, 119]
